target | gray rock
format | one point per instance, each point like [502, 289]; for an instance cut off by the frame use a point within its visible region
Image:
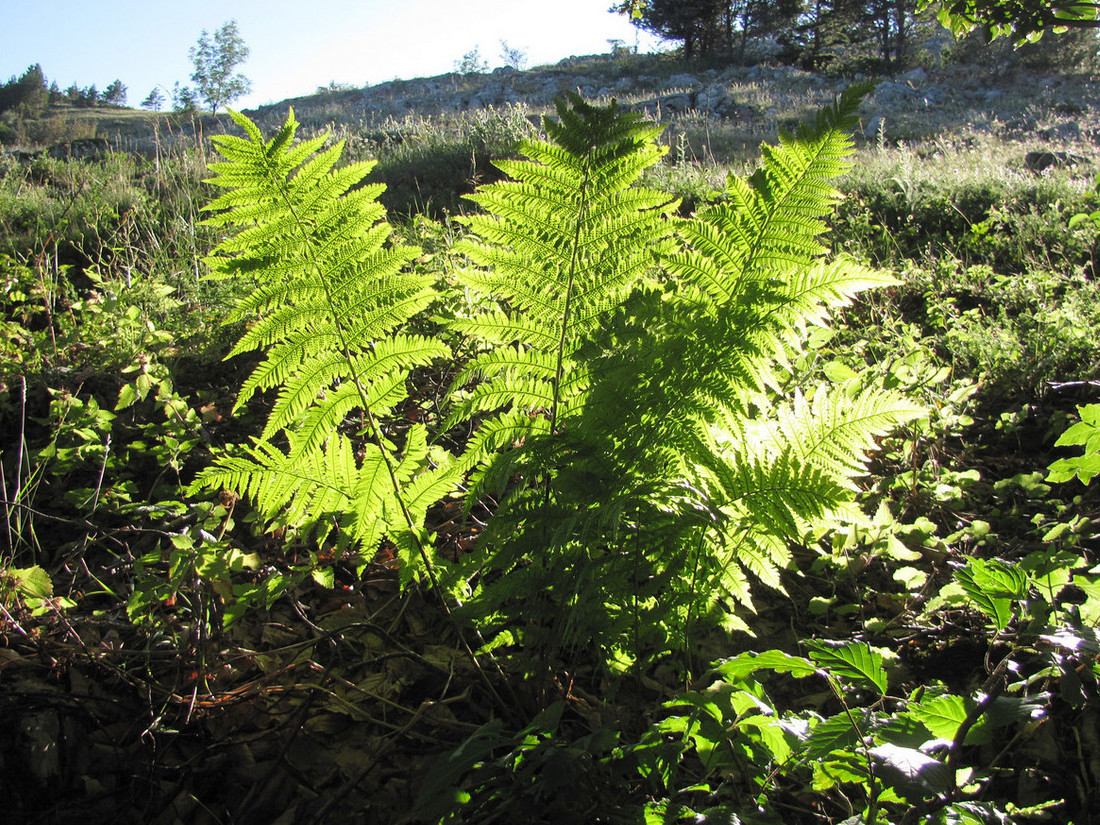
[678, 80]
[1070, 130]
[889, 93]
[1020, 125]
[712, 98]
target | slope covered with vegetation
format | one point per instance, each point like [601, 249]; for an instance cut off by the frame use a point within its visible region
[661, 484]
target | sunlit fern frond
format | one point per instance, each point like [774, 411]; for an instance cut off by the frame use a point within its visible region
[332, 299]
[560, 245]
[770, 225]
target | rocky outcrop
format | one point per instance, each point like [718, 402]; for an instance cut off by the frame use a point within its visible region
[765, 93]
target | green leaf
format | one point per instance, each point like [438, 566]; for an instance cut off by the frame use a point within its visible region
[835, 735]
[993, 585]
[32, 582]
[913, 774]
[856, 661]
[838, 371]
[942, 715]
[126, 396]
[745, 664]
[1076, 639]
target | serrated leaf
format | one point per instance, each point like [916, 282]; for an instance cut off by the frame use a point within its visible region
[126, 396]
[896, 549]
[33, 582]
[746, 664]
[910, 578]
[850, 660]
[771, 733]
[942, 715]
[1014, 710]
[992, 585]
[834, 735]
[1077, 639]
[913, 774]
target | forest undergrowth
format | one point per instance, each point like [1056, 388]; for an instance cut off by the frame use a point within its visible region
[585, 506]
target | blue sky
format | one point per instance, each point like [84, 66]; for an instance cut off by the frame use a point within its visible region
[295, 46]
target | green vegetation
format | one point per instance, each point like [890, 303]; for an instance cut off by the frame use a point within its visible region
[651, 482]
[215, 58]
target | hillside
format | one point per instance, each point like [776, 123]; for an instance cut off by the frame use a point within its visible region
[741, 105]
[920, 103]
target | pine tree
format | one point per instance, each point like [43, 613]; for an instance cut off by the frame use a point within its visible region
[115, 94]
[154, 100]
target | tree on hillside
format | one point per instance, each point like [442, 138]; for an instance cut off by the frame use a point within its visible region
[115, 94]
[697, 24]
[811, 32]
[510, 56]
[28, 93]
[216, 58]
[184, 99]
[472, 63]
[154, 100]
[829, 29]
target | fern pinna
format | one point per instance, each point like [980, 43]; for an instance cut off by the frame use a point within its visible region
[676, 456]
[332, 297]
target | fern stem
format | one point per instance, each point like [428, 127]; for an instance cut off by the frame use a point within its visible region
[562, 340]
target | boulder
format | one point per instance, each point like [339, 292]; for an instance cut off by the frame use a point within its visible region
[681, 80]
[1041, 161]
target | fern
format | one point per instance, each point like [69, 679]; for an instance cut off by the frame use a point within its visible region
[641, 414]
[750, 278]
[329, 311]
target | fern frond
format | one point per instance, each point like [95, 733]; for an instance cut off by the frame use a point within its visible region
[770, 224]
[560, 244]
[332, 297]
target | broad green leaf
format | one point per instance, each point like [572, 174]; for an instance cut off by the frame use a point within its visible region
[835, 735]
[1077, 639]
[992, 586]
[771, 734]
[33, 582]
[856, 661]
[1014, 710]
[746, 664]
[1090, 610]
[126, 396]
[942, 715]
[913, 774]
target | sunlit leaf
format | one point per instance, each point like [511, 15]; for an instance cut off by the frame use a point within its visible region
[942, 715]
[851, 660]
[746, 664]
[992, 586]
[1077, 639]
